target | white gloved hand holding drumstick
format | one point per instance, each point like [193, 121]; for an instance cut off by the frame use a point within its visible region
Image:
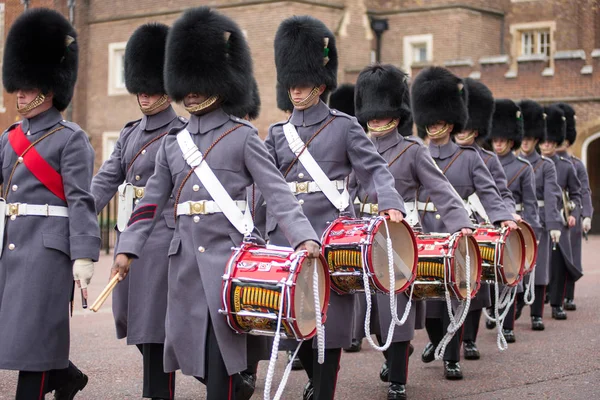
[83, 271]
[555, 236]
[586, 225]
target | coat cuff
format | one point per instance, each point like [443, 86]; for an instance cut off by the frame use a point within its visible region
[391, 202]
[554, 226]
[131, 243]
[85, 246]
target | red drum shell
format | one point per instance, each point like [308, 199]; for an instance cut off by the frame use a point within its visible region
[252, 284]
[349, 244]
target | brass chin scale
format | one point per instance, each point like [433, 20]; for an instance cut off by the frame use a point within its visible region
[440, 133]
[387, 127]
[153, 107]
[202, 106]
[32, 105]
[311, 96]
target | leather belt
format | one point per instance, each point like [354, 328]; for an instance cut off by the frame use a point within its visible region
[204, 207]
[312, 187]
[23, 209]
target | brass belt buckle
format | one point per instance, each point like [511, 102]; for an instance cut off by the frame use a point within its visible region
[139, 192]
[374, 209]
[198, 207]
[301, 187]
[13, 209]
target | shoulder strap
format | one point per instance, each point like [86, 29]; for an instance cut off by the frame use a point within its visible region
[488, 158]
[144, 147]
[306, 145]
[34, 162]
[341, 201]
[402, 152]
[514, 178]
[443, 172]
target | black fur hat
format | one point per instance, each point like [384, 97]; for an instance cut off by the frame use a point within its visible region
[507, 122]
[208, 54]
[305, 53]
[145, 59]
[283, 99]
[571, 122]
[342, 99]
[439, 95]
[534, 120]
[556, 124]
[382, 92]
[41, 52]
[481, 108]
[251, 109]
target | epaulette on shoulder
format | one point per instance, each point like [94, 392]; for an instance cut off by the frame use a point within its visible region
[241, 121]
[468, 148]
[13, 126]
[414, 139]
[488, 152]
[69, 124]
[183, 119]
[338, 113]
[523, 160]
[565, 159]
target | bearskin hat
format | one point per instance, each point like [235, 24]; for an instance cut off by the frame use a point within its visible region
[382, 92]
[571, 122]
[556, 124]
[42, 52]
[481, 108]
[534, 120]
[207, 53]
[507, 122]
[342, 99]
[439, 95]
[305, 53]
[145, 59]
[283, 99]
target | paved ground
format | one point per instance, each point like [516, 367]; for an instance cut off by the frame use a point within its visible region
[562, 362]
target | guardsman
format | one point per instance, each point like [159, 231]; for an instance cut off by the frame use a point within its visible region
[382, 105]
[547, 192]
[306, 62]
[481, 107]
[584, 224]
[507, 134]
[140, 302]
[561, 261]
[49, 224]
[439, 104]
[208, 67]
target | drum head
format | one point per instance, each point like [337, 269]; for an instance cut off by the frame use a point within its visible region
[530, 245]
[513, 257]
[460, 266]
[303, 297]
[405, 255]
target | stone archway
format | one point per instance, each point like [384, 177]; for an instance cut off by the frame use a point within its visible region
[590, 155]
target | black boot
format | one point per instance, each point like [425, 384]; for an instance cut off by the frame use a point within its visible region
[537, 324]
[309, 391]
[78, 380]
[245, 389]
[355, 347]
[428, 353]
[296, 365]
[470, 350]
[452, 370]
[489, 324]
[509, 335]
[384, 374]
[397, 391]
[570, 305]
[558, 313]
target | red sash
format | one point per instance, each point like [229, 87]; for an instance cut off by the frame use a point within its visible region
[35, 163]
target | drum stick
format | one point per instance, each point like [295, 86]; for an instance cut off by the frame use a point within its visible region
[105, 293]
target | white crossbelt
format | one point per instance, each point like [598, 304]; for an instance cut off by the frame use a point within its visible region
[38, 210]
[312, 187]
[412, 215]
[242, 221]
[518, 207]
[541, 203]
[128, 193]
[329, 188]
[205, 207]
[476, 207]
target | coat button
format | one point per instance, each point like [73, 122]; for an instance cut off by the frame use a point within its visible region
[437, 216]
[196, 219]
[144, 151]
[300, 175]
[300, 201]
[137, 177]
[201, 249]
[13, 217]
[195, 188]
[14, 188]
[20, 160]
[11, 246]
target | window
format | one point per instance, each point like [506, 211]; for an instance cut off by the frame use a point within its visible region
[116, 69]
[109, 140]
[418, 49]
[2, 109]
[535, 42]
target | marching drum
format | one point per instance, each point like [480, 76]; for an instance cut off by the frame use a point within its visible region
[442, 266]
[256, 278]
[503, 254]
[531, 246]
[350, 244]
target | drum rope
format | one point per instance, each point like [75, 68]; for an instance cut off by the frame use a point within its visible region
[275, 348]
[463, 308]
[393, 306]
[529, 295]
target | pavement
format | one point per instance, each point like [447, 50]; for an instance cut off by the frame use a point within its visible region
[562, 362]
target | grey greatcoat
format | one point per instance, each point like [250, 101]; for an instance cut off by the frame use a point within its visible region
[140, 302]
[492, 163]
[342, 147]
[36, 266]
[566, 178]
[413, 169]
[548, 191]
[467, 175]
[587, 210]
[201, 245]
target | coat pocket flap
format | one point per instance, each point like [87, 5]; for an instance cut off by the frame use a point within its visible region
[57, 242]
[174, 246]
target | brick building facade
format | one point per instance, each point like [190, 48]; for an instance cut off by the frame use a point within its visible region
[547, 50]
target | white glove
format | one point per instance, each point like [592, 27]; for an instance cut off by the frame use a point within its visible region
[555, 235]
[586, 224]
[83, 270]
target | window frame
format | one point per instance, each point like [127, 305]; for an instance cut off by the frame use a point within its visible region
[113, 75]
[409, 43]
[107, 138]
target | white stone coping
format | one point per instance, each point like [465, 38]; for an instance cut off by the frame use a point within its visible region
[532, 58]
[475, 75]
[587, 70]
[570, 55]
[548, 72]
[500, 59]
[511, 74]
[463, 62]
[596, 53]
